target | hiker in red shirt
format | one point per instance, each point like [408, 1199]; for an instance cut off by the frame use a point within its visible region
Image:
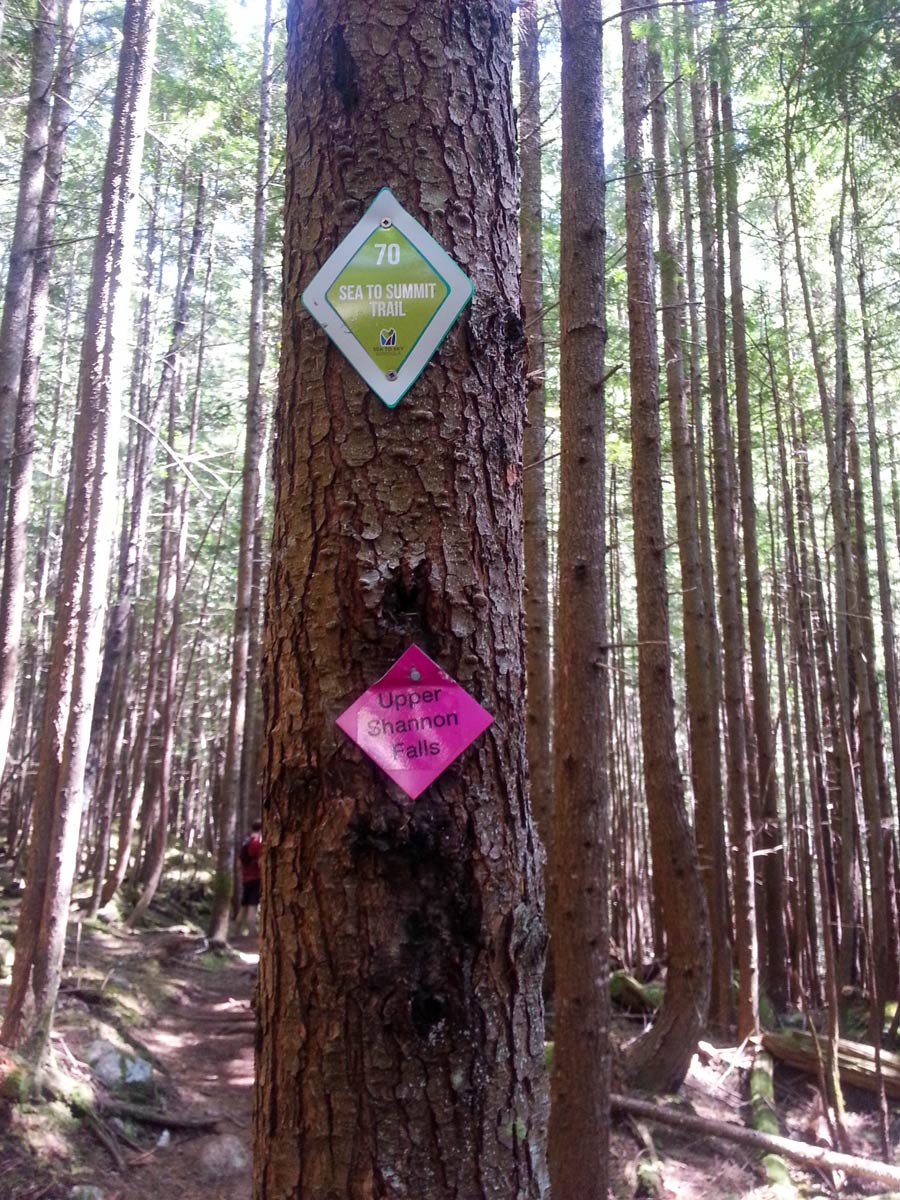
[248, 861]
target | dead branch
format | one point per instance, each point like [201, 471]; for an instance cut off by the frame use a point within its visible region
[155, 1116]
[801, 1152]
[856, 1060]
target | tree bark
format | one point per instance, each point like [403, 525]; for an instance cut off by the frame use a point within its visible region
[32, 690]
[254, 449]
[888, 626]
[116, 686]
[115, 679]
[401, 1031]
[689, 464]
[661, 1058]
[537, 565]
[843, 724]
[579, 917]
[12, 597]
[857, 608]
[728, 571]
[22, 248]
[770, 837]
[87, 541]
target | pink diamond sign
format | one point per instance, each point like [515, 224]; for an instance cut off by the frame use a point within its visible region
[414, 721]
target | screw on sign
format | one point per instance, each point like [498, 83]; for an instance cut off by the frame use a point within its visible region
[414, 722]
[387, 296]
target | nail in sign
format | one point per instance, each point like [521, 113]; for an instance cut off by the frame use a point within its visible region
[414, 721]
[387, 296]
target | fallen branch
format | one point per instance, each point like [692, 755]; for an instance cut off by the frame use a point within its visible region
[224, 1017]
[763, 1114]
[104, 1136]
[625, 992]
[155, 1116]
[802, 1152]
[856, 1060]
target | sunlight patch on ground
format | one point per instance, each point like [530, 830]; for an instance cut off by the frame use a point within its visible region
[175, 1040]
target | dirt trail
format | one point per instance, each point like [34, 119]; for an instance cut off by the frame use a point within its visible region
[193, 1014]
[162, 993]
[205, 1037]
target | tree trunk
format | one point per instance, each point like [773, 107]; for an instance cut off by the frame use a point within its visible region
[690, 469]
[660, 1060]
[32, 690]
[251, 798]
[579, 916]
[177, 499]
[401, 1039]
[115, 680]
[857, 606]
[793, 851]
[843, 725]
[770, 839]
[115, 686]
[537, 602]
[24, 241]
[254, 449]
[881, 906]
[888, 639]
[811, 1156]
[159, 776]
[728, 585]
[12, 597]
[87, 540]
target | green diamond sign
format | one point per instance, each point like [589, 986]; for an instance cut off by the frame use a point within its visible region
[387, 297]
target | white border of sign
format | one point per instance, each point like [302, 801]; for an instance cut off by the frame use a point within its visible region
[386, 207]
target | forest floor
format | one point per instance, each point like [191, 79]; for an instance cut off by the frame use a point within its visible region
[653, 1160]
[161, 995]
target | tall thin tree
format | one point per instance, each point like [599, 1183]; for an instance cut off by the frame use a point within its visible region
[17, 294]
[537, 566]
[728, 568]
[579, 916]
[254, 449]
[660, 1059]
[12, 597]
[87, 542]
[771, 842]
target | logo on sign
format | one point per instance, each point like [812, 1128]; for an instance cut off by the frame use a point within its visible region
[414, 722]
[388, 268]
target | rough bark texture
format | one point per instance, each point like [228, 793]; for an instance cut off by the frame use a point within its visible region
[579, 917]
[537, 565]
[401, 1029]
[31, 694]
[660, 1060]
